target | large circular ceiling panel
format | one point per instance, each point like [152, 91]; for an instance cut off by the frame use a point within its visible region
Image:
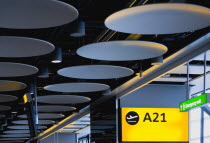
[40, 122]
[17, 132]
[95, 72]
[45, 116]
[55, 108]
[33, 14]
[16, 47]
[24, 127]
[15, 135]
[6, 86]
[16, 69]
[167, 18]
[63, 99]
[4, 108]
[77, 87]
[122, 50]
[7, 98]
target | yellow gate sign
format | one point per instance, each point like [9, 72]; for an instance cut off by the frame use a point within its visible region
[154, 124]
[25, 98]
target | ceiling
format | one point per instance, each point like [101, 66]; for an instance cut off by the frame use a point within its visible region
[93, 13]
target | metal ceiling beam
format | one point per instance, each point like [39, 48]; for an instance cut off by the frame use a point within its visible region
[179, 58]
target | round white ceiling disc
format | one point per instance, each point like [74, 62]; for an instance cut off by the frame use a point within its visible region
[7, 98]
[165, 18]
[16, 47]
[33, 14]
[55, 108]
[95, 72]
[17, 132]
[24, 127]
[16, 69]
[45, 116]
[4, 108]
[77, 87]
[122, 50]
[62, 99]
[15, 135]
[6, 86]
[40, 122]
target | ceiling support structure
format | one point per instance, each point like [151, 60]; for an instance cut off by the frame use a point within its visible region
[30, 115]
[107, 34]
[177, 59]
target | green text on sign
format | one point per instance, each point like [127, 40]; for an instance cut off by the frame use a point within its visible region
[194, 102]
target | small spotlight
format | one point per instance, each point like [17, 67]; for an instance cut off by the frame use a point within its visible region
[57, 57]
[167, 75]
[157, 60]
[1, 128]
[31, 88]
[4, 122]
[56, 61]
[78, 29]
[43, 71]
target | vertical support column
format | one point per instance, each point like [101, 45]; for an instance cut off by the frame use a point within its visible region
[202, 126]
[202, 109]
[30, 115]
[204, 79]
[35, 105]
[188, 96]
[118, 122]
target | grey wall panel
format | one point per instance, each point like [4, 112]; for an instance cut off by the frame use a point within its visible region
[156, 96]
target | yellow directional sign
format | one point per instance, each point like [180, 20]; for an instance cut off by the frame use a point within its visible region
[154, 124]
[25, 98]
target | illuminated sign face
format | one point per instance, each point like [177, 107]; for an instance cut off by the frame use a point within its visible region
[194, 102]
[25, 99]
[154, 124]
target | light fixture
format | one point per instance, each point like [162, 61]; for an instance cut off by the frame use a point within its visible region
[10, 117]
[4, 122]
[78, 29]
[43, 71]
[157, 60]
[1, 127]
[166, 75]
[140, 69]
[57, 57]
[31, 88]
